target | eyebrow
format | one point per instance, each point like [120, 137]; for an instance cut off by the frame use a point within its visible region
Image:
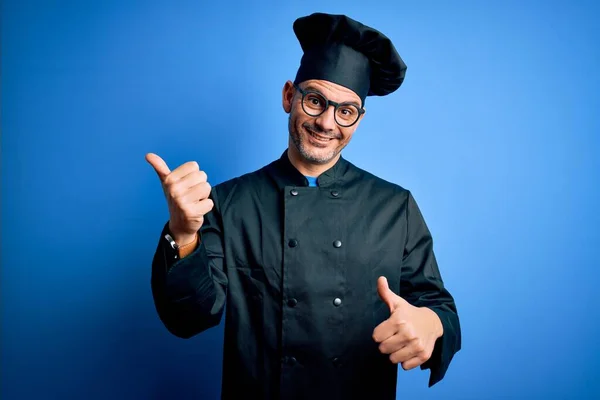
[314, 89]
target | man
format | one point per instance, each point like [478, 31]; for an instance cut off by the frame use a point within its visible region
[326, 271]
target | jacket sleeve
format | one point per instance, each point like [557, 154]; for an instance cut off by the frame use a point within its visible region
[189, 293]
[422, 286]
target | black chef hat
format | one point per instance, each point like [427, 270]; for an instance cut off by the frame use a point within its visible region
[344, 51]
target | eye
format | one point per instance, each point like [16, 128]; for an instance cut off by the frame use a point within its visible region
[315, 100]
[347, 110]
[314, 103]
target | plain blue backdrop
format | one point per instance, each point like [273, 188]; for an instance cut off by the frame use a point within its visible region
[495, 131]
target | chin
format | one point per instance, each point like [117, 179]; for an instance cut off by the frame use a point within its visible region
[316, 155]
[311, 150]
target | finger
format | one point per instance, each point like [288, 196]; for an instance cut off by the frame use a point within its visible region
[402, 355]
[189, 181]
[196, 212]
[394, 343]
[388, 297]
[159, 165]
[188, 190]
[182, 171]
[395, 325]
[412, 348]
[195, 177]
[205, 206]
[385, 330]
[412, 363]
[196, 193]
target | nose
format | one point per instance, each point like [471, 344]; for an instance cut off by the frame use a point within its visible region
[326, 121]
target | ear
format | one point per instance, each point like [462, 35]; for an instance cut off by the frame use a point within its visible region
[288, 96]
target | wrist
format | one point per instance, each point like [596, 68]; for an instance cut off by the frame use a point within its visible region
[183, 240]
[188, 248]
[436, 322]
[180, 237]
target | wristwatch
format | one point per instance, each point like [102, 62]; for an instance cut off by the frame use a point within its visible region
[176, 249]
[173, 247]
[172, 242]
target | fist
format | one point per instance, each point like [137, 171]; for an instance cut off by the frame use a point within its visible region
[186, 190]
[408, 336]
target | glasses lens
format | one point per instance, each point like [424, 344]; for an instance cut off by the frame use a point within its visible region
[346, 114]
[314, 104]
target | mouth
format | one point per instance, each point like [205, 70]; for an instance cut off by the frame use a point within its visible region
[319, 138]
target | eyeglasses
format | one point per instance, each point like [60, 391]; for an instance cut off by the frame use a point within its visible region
[315, 104]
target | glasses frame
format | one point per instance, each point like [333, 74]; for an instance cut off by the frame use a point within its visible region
[328, 103]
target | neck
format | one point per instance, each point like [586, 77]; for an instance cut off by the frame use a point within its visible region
[306, 168]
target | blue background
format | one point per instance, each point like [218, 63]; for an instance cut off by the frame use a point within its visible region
[495, 131]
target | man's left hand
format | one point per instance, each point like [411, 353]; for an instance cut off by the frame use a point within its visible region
[409, 334]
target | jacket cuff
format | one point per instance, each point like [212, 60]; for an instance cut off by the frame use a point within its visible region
[445, 347]
[170, 255]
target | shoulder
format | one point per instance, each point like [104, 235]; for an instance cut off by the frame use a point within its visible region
[225, 191]
[376, 185]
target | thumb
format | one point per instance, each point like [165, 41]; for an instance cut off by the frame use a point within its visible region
[385, 293]
[159, 165]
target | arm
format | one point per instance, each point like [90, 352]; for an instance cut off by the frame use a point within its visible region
[189, 293]
[422, 286]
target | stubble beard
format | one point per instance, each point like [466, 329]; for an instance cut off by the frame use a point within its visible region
[305, 150]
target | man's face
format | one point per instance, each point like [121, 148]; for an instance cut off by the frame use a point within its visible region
[318, 139]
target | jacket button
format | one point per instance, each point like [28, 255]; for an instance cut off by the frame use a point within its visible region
[335, 193]
[292, 302]
[337, 244]
[294, 192]
[336, 362]
[293, 243]
[291, 360]
[337, 301]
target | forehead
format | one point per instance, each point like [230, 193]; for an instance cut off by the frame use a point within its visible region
[332, 91]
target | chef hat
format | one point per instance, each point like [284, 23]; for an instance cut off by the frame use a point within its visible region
[344, 51]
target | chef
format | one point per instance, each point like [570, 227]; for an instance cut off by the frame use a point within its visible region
[325, 272]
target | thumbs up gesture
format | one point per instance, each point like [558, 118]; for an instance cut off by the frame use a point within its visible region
[409, 334]
[186, 190]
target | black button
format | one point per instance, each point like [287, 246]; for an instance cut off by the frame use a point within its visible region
[335, 193]
[337, 244]
[336, 362]
[293, 243]
[291, 360]
[292, 302]
[337, 301]
[294, 192]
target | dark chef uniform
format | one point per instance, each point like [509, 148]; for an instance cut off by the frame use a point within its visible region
[295, 268]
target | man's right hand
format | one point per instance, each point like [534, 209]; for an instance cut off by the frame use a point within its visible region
[186, 190]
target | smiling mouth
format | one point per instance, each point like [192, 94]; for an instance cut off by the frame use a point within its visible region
[320, 138]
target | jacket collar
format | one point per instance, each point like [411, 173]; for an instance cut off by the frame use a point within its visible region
[285, 174]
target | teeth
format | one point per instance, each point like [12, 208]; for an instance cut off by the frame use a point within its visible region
[319, 137]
